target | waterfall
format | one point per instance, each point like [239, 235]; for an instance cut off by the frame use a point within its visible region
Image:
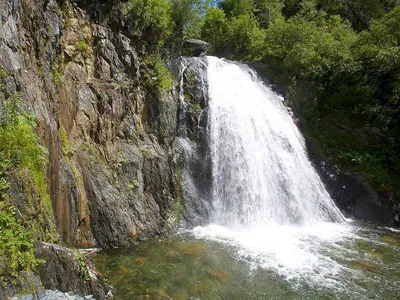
[261, 172]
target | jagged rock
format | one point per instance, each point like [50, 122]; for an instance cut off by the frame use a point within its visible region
[66, 270]
[194, 47]
[112, 177]
[191, 148]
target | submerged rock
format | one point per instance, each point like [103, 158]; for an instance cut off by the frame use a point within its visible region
[218, 274]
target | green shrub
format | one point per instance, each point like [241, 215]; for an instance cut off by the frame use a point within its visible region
[245, 37]
[157, 74]
[22, 156]
[187, 17]
[19, 143]
[66, 148]
[82, 47]
[151, 19]
[16, 246]
[309, 48]
[3, 73]
[215, 27]
[236, 8]
[58, 71]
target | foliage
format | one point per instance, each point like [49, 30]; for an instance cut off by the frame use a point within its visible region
[236, 8]
[310, 48]
[215, 27]
[58, 71]
[268, 11]
[186, 16]
[19, 143]
[358, 13]
[22, 156]
[339, 62]
[82, 265]
[65, 146]
[151, 19]
[3, 73]
[245, 36]
[16, 246]
[157, 74]
[82, 47]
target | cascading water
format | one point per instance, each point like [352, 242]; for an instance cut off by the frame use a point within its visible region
[267, 199]
[274, 232]
[261, 173]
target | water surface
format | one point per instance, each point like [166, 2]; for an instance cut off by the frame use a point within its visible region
[331, 261]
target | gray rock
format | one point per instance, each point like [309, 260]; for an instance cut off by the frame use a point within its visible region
[66, 271]
[194, 47]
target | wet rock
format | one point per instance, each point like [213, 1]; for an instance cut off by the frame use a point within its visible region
[353, 195]
[54, 295]
[191, 147]
[67, 270]
[114, 174]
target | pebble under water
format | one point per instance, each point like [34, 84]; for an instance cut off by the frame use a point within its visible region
[358, 261]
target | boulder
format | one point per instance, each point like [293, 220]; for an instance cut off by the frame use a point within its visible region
[67, 270]
[194, 47]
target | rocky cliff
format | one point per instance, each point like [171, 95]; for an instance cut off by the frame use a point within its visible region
[117, 148]
[109, 138]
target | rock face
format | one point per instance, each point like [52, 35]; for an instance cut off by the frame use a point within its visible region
[115, 157]
[354, 196]
[109, 137]
[66, 270]
[191, 147]
[194, 47]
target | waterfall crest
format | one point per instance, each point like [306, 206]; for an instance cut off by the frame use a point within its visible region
[261, 173]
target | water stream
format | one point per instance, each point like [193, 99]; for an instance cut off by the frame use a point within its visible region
[261, 173]
[274, 231]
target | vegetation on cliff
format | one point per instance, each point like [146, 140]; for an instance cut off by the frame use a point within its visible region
[339, 62]
[23, 159]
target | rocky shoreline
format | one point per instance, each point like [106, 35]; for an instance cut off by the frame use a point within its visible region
[52, 295]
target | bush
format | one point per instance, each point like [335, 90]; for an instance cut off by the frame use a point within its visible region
[82, 47]
[3, 73]
[16, 247]
[19, 143]
[151, 19]
[157, 74]
[22, 156]
[309, 48]
[215, 27]
[246, 37]
[187, 17]
[19, 150]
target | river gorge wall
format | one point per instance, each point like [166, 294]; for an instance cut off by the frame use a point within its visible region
[114, 154]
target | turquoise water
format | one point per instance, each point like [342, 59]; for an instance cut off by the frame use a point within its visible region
[361, 262]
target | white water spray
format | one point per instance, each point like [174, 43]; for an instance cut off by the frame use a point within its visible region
[261, 173]
[267, 199]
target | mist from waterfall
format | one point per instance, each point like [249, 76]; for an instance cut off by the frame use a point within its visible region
[267, 199]
[261, 173]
